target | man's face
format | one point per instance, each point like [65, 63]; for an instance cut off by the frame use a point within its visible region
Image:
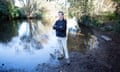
[61, 16]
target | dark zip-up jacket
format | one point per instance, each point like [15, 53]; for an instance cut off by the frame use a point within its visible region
[60, 27]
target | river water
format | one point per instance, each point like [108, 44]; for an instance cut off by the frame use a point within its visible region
[25, 44]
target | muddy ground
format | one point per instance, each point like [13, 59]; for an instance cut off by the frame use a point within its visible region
[103, 59]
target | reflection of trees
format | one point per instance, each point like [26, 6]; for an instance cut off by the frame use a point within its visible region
[38, 31]
[8, 30]
[31, 27]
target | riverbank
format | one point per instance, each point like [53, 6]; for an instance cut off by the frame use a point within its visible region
[102, 59]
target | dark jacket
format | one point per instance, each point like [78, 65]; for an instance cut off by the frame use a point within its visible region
[60, 27]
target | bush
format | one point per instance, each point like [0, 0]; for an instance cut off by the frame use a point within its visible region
[117, 27]
[91, 21]
[4, 9]
[21, 13]
[96, 22]
[14, 12]
[86, 20]
[70, 14]
[8, 10]
[38, 15]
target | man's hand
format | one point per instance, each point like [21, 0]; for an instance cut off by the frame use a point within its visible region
[61, 26]
[54, 27]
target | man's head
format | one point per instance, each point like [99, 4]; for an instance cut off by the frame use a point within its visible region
[61, 15]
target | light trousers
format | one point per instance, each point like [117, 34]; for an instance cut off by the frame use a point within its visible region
[62, 46]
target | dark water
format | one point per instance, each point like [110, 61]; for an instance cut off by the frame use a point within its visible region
[8, 29]
[24, 44]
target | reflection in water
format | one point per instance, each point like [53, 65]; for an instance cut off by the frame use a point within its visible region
[8, 29]
[24, 30]
[36, 44]
[25, 38]
[83, 40]
[26, 51]
[93, 42]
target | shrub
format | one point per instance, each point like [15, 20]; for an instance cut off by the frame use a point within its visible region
[117, 27]
[91, 21]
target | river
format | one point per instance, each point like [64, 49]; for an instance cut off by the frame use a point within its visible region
[26, 43]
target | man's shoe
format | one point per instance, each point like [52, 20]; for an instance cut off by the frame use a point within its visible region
[68, 61]
[61, 57]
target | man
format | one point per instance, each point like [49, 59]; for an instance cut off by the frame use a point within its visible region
[61, 27]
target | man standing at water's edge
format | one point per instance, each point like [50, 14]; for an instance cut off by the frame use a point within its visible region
[61, 28]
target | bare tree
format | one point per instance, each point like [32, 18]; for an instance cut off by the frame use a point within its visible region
[30, 6]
